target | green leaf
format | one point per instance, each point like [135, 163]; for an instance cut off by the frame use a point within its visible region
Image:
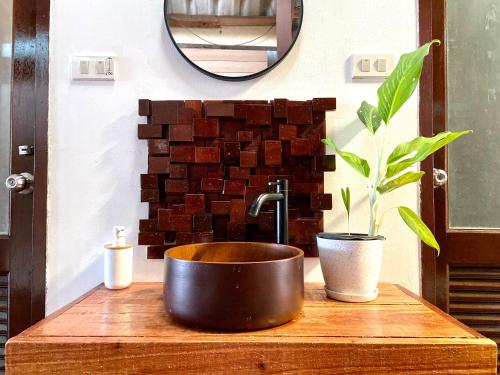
[369, 116]
[406, 148]
[419, 149]
[402, 82]
[346, 197]
[418, 226]
[402, 180]
[359, 164]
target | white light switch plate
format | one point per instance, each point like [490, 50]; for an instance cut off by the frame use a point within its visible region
[93, 68]
[372, 66]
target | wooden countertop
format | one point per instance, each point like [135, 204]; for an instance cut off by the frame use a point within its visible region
[128, 332]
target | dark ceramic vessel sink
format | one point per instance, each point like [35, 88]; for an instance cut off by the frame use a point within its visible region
[234, 285]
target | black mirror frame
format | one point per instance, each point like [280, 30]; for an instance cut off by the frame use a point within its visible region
[234, 79]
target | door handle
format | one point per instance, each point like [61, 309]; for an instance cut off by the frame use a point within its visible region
[440, 177]
[20, 183]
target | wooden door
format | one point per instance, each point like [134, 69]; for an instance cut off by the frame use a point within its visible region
[23, 136]
[461, 90]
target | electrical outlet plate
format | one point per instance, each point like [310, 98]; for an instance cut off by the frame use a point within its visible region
[93, 68]
[372, 66]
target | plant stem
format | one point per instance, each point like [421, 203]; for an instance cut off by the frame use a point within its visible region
[348, 224]
[373, 193]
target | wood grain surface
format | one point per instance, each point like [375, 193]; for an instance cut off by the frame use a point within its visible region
[128, 332]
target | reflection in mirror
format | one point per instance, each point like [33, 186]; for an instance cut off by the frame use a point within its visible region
[234, 39]
[5, 77]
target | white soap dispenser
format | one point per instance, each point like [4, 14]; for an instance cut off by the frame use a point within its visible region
[118, 261]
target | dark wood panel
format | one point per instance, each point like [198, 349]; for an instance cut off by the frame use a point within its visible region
[24, 249]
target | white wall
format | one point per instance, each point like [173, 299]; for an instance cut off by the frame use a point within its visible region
[95, 158]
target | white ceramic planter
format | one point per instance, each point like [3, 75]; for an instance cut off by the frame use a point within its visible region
[351, 265]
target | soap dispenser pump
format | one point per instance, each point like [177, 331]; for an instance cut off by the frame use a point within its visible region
[118, 261]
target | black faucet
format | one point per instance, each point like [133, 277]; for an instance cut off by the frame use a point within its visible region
[281, 212]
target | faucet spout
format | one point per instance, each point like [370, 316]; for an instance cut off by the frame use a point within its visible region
[261, 199]
[281, 211]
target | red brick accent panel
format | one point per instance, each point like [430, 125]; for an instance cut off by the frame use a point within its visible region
[209, 160]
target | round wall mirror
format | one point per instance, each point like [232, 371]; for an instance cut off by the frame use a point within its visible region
[234, 40]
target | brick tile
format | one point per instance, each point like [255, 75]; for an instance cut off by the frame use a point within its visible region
[150, 195]
[232, 151]
[196, 106]
[211, 184]
[230, 129]
[178, 171]
[164, 112]
[280, 108]
[324, 163]
[182, 154]
[324, 104]
[145, 131]
[144, 107]
[195, 203]
[238, 211]
[205, 155]
[238, 173]
[180, 133]
[266, 220]
[272, 150]
[197, 171]
[178, 209]
[184, 238]
[258, 181]
[154, 207]
[300, 147]
[248, 159]
[240, 111]
[220, 207]
[321, 201]
[202, 222]
[147, 225]
[158, 164]
[206, 127]
[305, 187]
[174, 223]
[287, 132]
[259, 114]
[176, 186]
[234, 187]
[149, 181]
[158, 147]
[300, 114]
[156, 252]
[236, 231]
[151, 238]
[219, 110]
[185, 116]
[245, 136]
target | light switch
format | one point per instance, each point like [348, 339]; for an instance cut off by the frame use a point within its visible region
[93, 68]
[99, 67]
[372, 66]
[366, 65]
[84, 66]
[381, 65]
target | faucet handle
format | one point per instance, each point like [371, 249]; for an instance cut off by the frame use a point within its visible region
[281, 185]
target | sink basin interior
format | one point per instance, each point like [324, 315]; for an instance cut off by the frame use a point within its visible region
[233, 252]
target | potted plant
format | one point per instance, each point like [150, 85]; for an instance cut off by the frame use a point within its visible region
[351, 262]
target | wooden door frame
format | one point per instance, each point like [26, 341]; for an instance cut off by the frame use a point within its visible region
[432, 119]
[29, 110]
